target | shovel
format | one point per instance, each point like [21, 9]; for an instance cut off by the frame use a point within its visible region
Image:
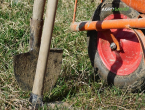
[37, 91]
[25, 63]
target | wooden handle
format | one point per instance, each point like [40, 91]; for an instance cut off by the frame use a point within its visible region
[38, 9]
[36, 24]
[45, 47]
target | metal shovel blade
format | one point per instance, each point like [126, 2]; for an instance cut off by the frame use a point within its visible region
[25, 68]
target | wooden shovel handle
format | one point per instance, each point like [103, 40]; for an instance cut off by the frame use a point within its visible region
[45, 47]
[38, 9]
[36, 24]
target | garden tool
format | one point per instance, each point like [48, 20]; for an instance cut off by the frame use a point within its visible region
[25, 63]
[37, 91]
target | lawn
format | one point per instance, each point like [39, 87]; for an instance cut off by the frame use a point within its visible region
[77, 84]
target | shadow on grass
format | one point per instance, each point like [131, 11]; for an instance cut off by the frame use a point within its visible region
[69, 86]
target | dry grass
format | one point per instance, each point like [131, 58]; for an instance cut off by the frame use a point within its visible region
[77, 84]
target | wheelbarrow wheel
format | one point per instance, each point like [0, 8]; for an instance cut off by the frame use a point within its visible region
[124, 69]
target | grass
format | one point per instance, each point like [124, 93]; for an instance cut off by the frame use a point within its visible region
[76, 84]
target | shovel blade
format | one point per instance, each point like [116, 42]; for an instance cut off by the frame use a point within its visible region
[25, 68]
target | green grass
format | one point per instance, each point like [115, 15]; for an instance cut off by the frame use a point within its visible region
[76, 84]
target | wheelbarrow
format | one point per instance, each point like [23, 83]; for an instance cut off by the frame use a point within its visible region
[116, 42]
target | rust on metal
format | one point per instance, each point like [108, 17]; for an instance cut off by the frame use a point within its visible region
[108, 24]
[25, 63]
[25, 68]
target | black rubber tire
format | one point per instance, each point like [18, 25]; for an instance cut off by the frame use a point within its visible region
[134, 81]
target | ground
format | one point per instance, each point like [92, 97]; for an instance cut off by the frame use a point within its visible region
[77, 86]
